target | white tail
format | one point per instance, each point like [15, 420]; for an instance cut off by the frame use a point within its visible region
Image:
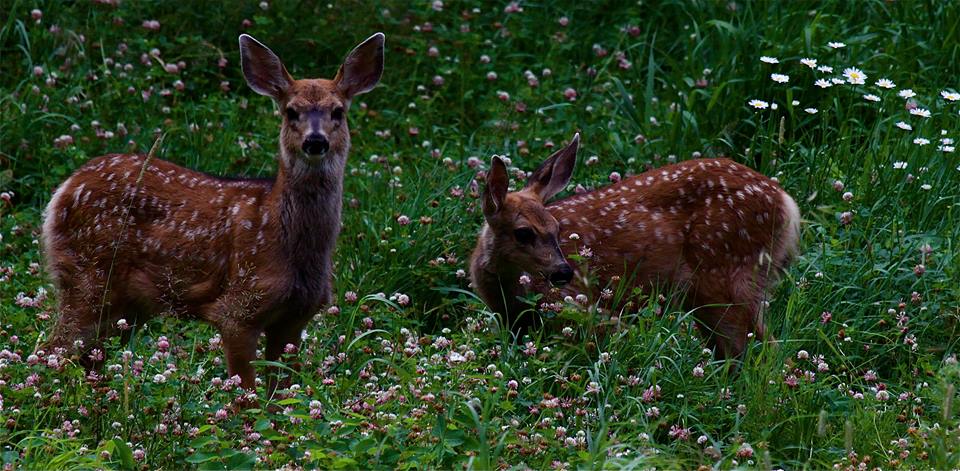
[712, 226]
[129, 237]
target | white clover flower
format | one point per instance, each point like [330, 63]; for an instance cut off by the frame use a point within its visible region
[780, 78]
[836, 45]
[950, 96]
[825, 69]
[904, 126]
[812, 63]
[823, 83]
[906, 93]
[810, 110]
[947, 149]
[774, 106]
[921, 141]
[871, 97]
[926, 187]
[795, 103]
[899, 165]
[758, 104]
[855, 76]
[885, 83]
[769, 60]
[923, 113]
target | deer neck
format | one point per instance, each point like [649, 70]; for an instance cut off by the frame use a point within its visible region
[495, 279]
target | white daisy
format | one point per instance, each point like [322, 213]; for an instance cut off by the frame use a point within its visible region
[758, 104]
[855, 76]
[923, 113]
[947, 149]
[899, 165]
[823, 83]
[906, 93]
[904, 126]
[836, 45]
[946, 141]
[825, 69]
[810, 110]
[837, 81]
[921, 141]
[871, 97]
[780, 78]
[812, 63]
[769, 60]
[885, 83]
[950, 96]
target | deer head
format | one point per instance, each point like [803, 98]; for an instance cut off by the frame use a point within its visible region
[525, 234]
[314, 130]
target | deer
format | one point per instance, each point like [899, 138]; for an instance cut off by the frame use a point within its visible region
[128, 237]
[718, 230]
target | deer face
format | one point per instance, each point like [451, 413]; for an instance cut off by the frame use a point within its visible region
[314, 110]
[525, 233]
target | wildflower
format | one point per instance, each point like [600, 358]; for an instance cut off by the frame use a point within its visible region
[563, 21]
[921, 112]
[403, 220]
[810, 110]
[491, 76]
[823, 83]
[159, 378]
[803, 355]
[883, 395]
[885, 83]
[678, 433]
[871, 97]
[745, 451]
[780, 78]
[836, 45]
[758, 104]
[825, 69]
[698, 372]
[899, 165]
[950, 96]
[848, 196]
[769, 60]
[921, 141]
[570, 94]
[139, 454]
[151, 25]
[854, 76]
[906, 93]
[614, 177]
[904, 126]
[825, 317]
[812, 63]
[593, 388]
[524, 280]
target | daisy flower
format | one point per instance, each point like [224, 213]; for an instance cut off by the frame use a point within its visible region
[921, 141]
[904, 126]
[947, 149]
[906, 93]
[855, 76]
[823, 83]
[836, 45]
[758, 104]
[780, 78]
[810, 110]
[923, 113]
[871, 97]
[812, 63]
[899, 165]
[951, 96]
[885, 83]
[837, 81]
[825, 69]
[769, 60]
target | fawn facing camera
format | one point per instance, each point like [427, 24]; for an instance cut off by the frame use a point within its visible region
[130, 237]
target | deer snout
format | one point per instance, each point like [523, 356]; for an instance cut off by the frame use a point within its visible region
[561, 276]
[315, 144]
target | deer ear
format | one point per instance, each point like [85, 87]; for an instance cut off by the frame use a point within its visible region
[555, 172]
[496, 188]
[362, 68]
[262, 68]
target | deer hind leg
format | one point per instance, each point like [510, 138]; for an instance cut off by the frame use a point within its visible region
[84, 323]
[731, 310]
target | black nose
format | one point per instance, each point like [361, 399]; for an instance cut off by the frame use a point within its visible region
[562, 276]
[315, 145]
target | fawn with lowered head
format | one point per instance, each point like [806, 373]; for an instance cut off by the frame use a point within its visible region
[713, 227]
[127, 237]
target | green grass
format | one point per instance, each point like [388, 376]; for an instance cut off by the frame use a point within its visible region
[665, 80]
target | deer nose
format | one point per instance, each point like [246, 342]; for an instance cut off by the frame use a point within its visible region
[561, 276]
[315, 144]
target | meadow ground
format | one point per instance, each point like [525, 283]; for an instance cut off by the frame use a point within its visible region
[853, 106]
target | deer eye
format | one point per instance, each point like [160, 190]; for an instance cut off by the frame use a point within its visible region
[336, 114]
[292, 114]
[525, 235]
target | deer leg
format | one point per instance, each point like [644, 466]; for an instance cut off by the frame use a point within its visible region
[279, 336]
[240, 348]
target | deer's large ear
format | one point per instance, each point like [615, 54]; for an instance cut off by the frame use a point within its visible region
[362, 68]
[262, 68]
[555, 172]
[496, 188]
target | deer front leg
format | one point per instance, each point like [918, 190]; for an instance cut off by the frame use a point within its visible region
[240, 348]
[279, 335]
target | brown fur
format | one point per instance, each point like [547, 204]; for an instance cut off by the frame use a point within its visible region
[711, 226]
[129, 237]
